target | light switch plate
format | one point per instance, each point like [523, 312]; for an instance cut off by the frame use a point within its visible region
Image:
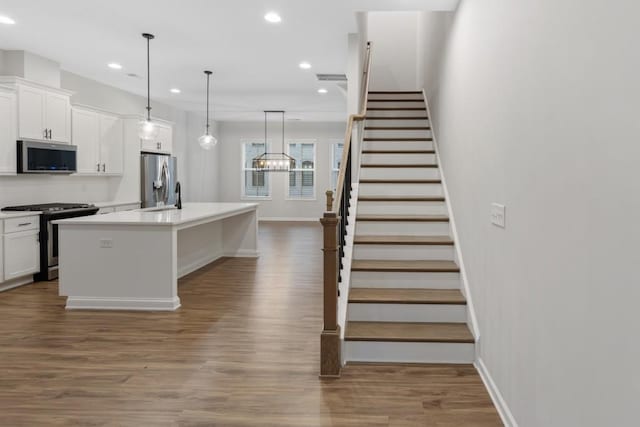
[106, 243]
[497, 214]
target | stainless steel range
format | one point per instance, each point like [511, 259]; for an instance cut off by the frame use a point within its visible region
[49, 232]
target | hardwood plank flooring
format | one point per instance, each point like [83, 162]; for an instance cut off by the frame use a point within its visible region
[242, 351]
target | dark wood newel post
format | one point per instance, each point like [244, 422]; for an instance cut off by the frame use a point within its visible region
[330, 338]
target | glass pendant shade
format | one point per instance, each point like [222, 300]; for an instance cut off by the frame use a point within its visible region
[207, 141]
[147, 130]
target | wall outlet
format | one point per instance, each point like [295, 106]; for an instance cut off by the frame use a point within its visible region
[497, 214]
[106, 243]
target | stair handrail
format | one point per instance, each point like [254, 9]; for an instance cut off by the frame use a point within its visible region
[334, 222]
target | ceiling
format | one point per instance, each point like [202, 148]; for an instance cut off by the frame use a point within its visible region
[254, 63]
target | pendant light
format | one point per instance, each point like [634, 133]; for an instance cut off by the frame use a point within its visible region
[273, 162]
[207, 141]
[147, 130]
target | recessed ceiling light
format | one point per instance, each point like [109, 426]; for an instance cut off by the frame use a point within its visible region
[322, 90]
[114, 66]
[6, 20]
[304, 65]
[272, 17]
[174, 90]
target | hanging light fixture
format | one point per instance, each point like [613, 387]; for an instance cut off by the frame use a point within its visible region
[147, 130]
[273, 162]
[207, 141]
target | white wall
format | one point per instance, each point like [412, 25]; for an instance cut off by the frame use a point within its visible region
[194, 165]
[394, 39]
[231, 136]
[535, 106]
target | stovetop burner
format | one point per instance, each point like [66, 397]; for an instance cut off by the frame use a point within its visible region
[48, 207]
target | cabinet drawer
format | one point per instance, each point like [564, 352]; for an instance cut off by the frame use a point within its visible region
[12, 225]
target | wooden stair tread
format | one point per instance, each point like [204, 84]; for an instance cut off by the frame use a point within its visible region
[397, 139]
[396, 100]
[398, 118]
[398, 151]
[406, 296]
[392, 165]
[391, 92]
[403, 240]
[400, 181]
[396, 109]
[413, 266]
[401, 198]
[400, 218]
[408, 332]
[397, 128]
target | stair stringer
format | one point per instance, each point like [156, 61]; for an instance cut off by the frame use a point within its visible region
[472, 321]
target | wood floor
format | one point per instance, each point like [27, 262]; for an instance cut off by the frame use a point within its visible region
[242, 351]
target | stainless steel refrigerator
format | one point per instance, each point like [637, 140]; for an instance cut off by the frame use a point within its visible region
[158, 177]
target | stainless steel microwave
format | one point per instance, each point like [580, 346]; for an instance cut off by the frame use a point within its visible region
[46, 157]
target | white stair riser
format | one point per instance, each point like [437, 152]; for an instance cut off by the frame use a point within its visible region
[397, 122]
[385, 279]
[396, 113]
[399, 159]
[397, 145]
[395, 104]
[397, 133]
[407, 313]
[404, 252]
[400, 208]
[399, 173]
[367, 189]
[408, 352]
[403, 228]
[416, 96]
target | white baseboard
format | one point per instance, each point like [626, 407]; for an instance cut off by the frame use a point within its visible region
[289, 219]
[137, 304]
[190, 268]
[243, 253]
[501, 405]
[16, 282]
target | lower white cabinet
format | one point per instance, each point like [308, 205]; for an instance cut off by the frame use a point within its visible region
[21, 254]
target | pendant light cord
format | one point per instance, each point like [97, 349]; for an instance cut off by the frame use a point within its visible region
[148, 37]
[208, 73]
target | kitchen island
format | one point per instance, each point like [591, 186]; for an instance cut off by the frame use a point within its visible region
[132, 260]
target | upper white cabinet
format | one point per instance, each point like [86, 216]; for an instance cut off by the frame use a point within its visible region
[7, 132]
[99, 138]
[43, 114]
[163, 143]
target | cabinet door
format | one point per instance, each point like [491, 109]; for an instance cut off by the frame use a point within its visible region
[111, 145]
[31, 113]
[86, 135]
[58, 116]
[7, 133]
[165, 138]
[21, 254]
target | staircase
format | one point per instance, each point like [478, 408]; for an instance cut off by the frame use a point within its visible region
[405, 303]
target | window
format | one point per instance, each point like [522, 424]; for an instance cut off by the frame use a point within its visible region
[254, 183]
[336, 157]
[302, 179]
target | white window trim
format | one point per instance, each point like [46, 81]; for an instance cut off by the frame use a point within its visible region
[243, 196]
[332, 143]
[315, 170]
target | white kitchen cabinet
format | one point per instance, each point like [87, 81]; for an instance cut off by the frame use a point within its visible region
[57, 117]
[7, 132]
[111, 144]
[21, 254]
[99, 138]
[163, 143]
[43, 112]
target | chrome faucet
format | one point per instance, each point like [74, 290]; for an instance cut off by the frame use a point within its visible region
[179, 192]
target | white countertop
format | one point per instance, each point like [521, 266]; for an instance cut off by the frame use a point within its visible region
[190, 212]
[112, 204]
[18, 214]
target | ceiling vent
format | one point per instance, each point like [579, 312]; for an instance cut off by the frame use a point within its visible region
[331, 77]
